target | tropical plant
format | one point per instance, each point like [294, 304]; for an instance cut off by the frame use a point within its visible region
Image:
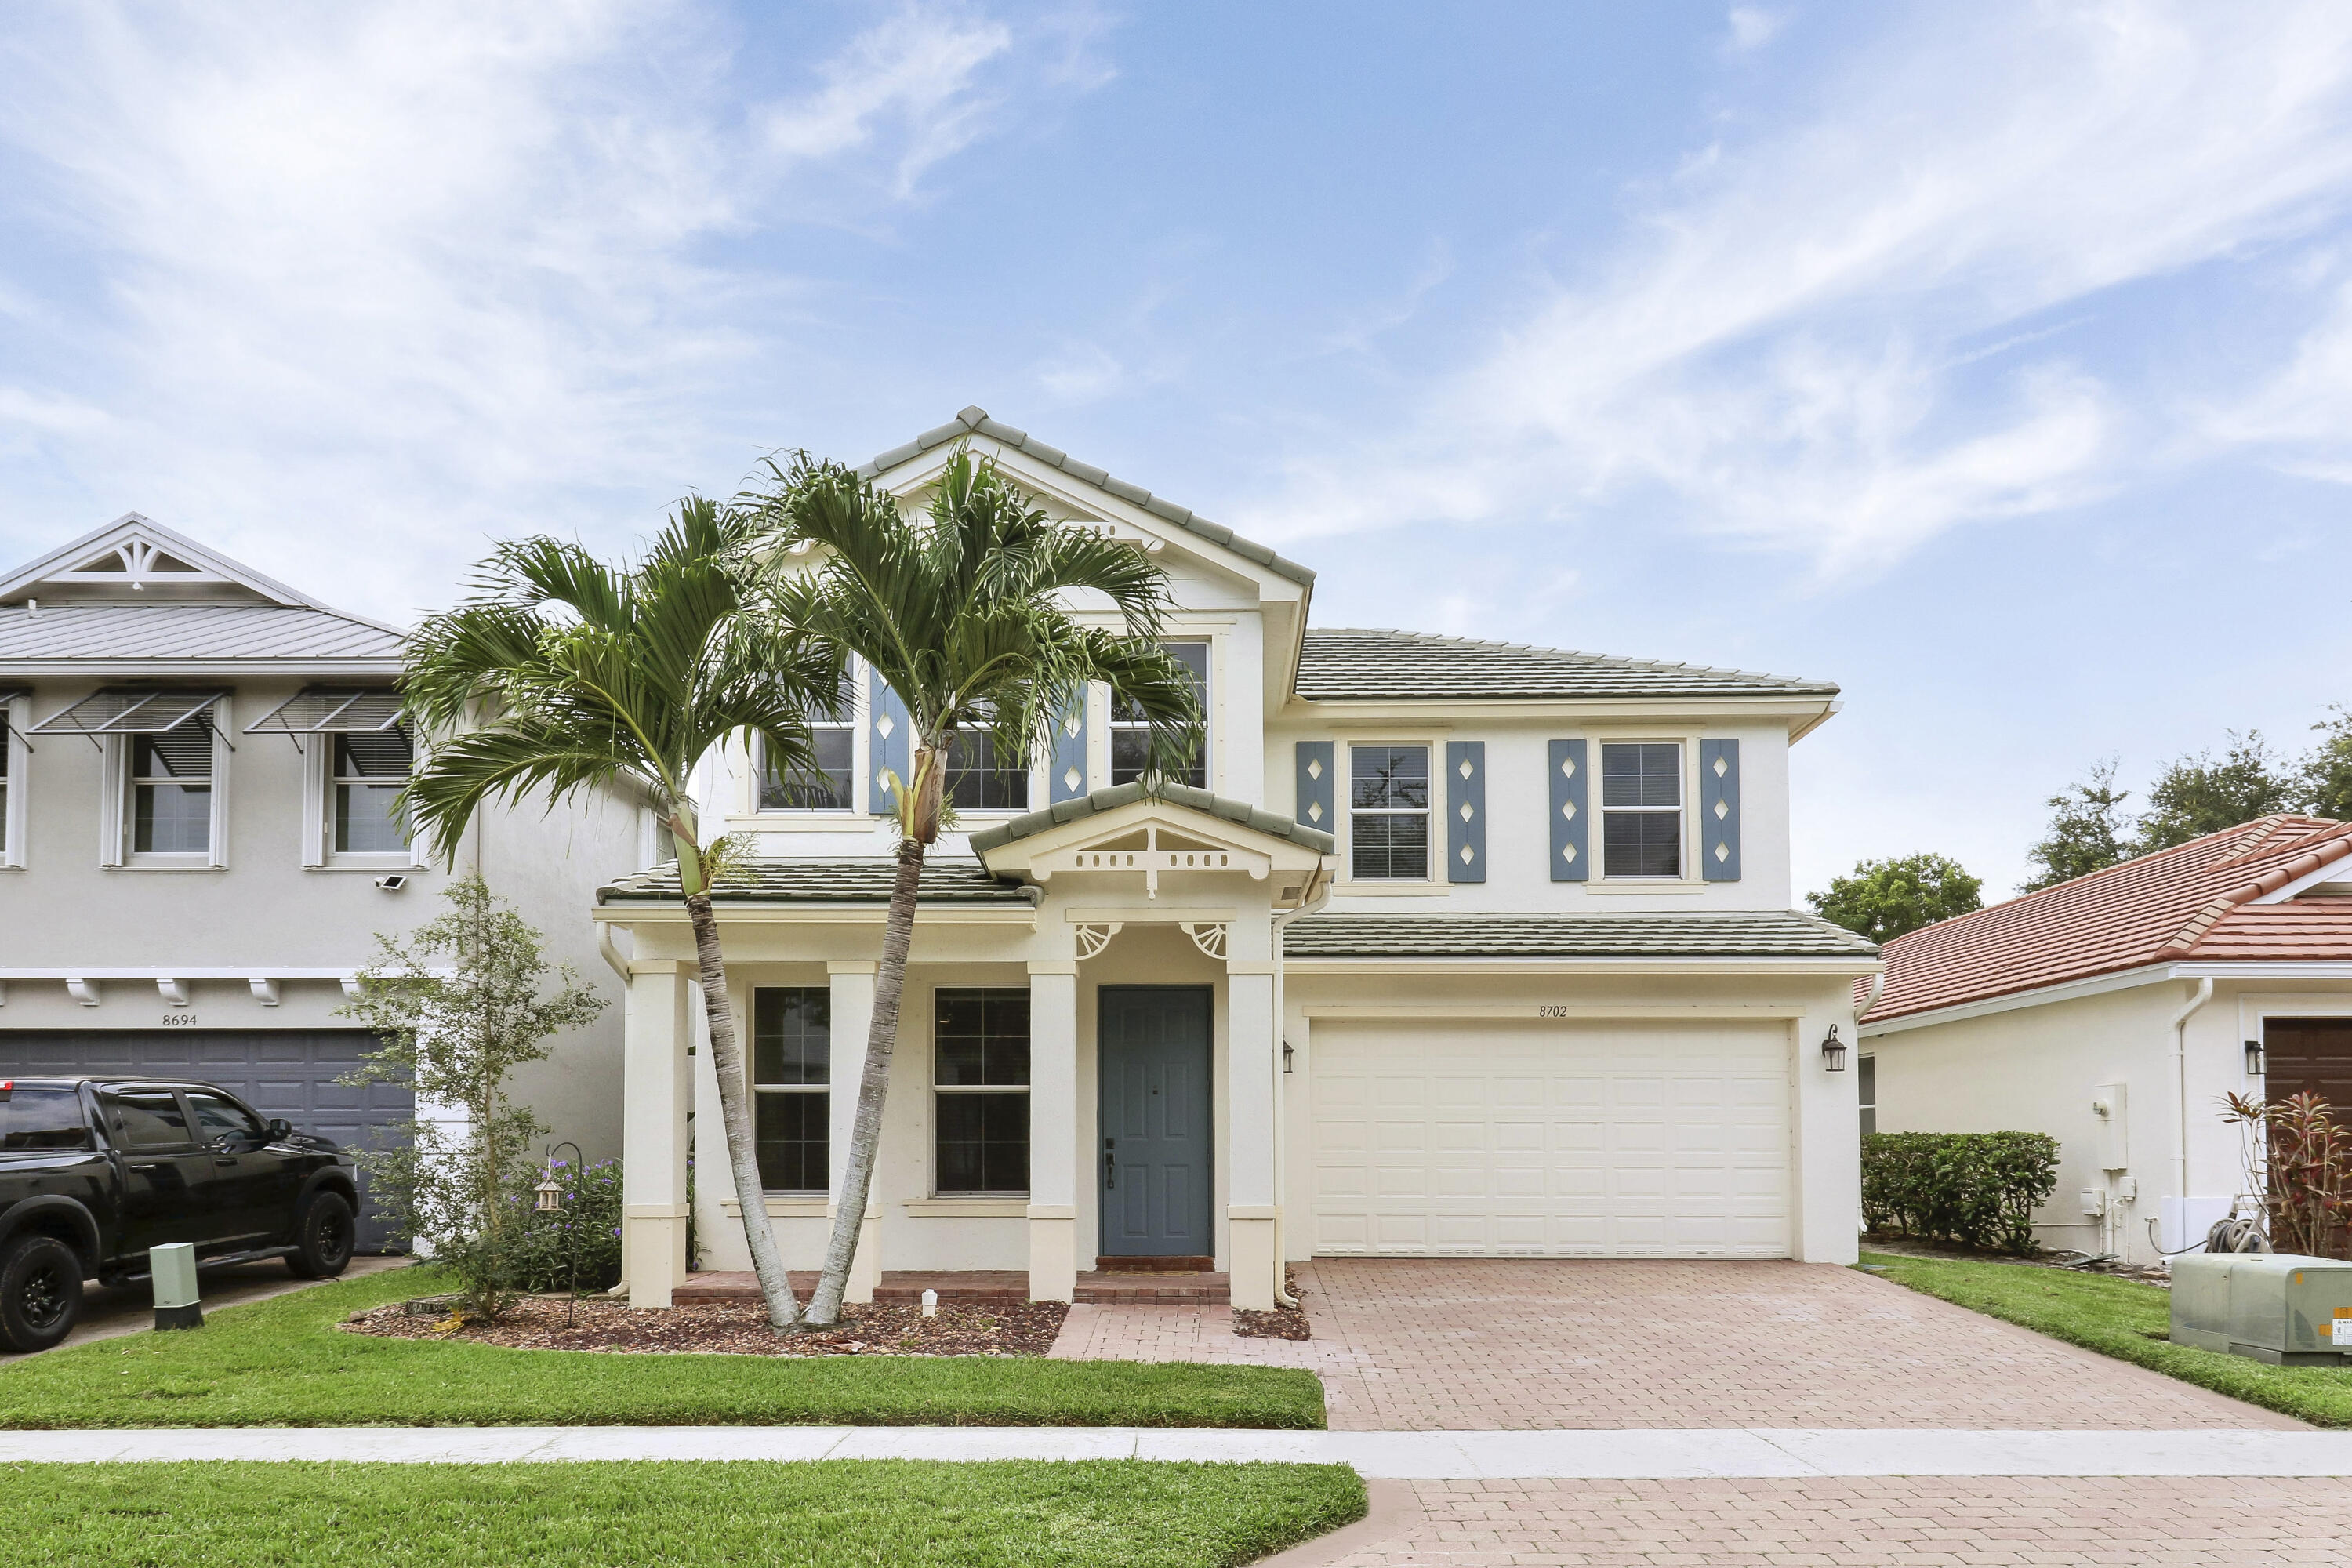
[2300, 1160]
[965, 613]
[457, 1004]
[1886, 898]
[560, 676]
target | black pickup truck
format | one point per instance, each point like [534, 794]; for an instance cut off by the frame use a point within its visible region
[94, 1171]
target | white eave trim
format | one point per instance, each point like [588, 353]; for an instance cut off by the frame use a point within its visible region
[117, 669]
[180, 972]
[1849, 968]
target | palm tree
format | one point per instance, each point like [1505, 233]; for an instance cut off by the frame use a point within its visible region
[964, 615]
[561, 674]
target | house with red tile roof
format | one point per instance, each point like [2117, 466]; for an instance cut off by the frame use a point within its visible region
[2115, 1012]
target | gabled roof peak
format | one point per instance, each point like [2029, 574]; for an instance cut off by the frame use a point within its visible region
[974, 420]
[136, 560]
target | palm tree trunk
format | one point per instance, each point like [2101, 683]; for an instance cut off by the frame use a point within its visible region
[873, 1088]
[742, 1154]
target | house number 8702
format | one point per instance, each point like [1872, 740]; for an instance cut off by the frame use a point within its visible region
[1551, 1012]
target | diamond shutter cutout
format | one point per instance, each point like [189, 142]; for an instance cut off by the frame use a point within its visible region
[1568, 810]
[1721, 767]
[1314, 769]
[1723, 852]
[1073, 725]
[1568, 767]
[1465, 853]
[1465, 769]
[1314, 811]
[1567, 851]
[1465, 811]
[1072, 778]
[883, 726]
[1721, 811]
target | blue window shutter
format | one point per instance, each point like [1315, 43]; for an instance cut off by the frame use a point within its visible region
[1719, 810]
[1571, 856]
[1066, 772]
[891, 734]
[1465, 811]
[1315, 791]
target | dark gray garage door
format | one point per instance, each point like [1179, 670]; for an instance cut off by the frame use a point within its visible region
[288, 1073]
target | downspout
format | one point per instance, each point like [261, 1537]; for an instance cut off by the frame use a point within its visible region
[2180, 1071]
[1321, 895]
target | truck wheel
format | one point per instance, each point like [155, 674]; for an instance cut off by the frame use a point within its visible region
[40, 1292]
[322, 1237]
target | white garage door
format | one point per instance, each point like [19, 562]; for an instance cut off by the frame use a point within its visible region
[1615, 1140]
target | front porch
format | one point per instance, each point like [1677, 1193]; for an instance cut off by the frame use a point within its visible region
[1087, 1066]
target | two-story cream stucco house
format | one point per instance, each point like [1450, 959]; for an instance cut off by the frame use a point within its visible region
[196, 846]
[1447, 948]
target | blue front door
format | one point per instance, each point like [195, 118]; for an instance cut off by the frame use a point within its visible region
[1153, 1168]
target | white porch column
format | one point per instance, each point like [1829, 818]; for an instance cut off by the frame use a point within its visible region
[1252, 1203]
[1054, 1153]
[852, 1018]
[655, 1091]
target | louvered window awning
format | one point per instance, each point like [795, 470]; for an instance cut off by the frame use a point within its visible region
[332, 710]
[131, 711]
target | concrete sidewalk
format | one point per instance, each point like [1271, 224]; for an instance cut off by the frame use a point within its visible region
[1640, 1454]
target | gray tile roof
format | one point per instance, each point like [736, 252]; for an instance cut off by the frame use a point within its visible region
[1118, 796]
[255, 632]
[1339, 664]
[1772, 933]
[974, 420]
[866, 880]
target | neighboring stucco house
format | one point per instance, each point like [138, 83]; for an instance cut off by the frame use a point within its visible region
[1447, 948]
[196, 846]
[2113, 1011]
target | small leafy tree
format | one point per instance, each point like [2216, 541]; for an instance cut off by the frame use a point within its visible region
[2198, 795]
[1886, 898]
[458, 1007]
[2324, 779]
[2088, 830]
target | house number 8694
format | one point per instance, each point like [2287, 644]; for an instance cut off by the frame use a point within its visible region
[179, 1020]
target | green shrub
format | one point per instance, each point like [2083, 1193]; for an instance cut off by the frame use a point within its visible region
[589, 1222]
[1977, 1189]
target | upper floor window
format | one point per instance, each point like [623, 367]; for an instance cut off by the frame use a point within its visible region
[980, 1097]
[8, 749]
[792, 1077]
[1388, 813]
[1130, 732]
[826, 785]
[1642, 809]
[172, 791]
[979, 780]
[370, 769]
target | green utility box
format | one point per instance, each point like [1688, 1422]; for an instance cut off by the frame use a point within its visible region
[2275, 1307]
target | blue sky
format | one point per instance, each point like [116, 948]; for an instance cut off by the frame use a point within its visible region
[1993, 361]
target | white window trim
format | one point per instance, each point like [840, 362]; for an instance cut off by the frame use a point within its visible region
[115, 799]
[1344, 791]
[1687, 750]
[12, 809]
[755, 771]
[1213, 780]
[931, 1101]
[319, 851]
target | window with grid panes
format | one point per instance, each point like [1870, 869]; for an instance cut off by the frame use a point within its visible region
[792, 1078]
[6, 747]
[979, 1097]
[827, 785]
[1641, 809]
[172, 791]
[370, 769]
[979, 780]
[1388, 813]
[1130, 732]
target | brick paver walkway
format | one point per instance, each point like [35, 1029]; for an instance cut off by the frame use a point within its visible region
[1856, 1523]
[1516, 1344]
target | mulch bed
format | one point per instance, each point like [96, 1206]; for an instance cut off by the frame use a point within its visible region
[1280, 1323]
[536, 1322]
[2073, 1262]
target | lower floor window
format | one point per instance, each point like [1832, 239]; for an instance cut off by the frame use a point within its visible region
[980, 1096]
[791, 1075]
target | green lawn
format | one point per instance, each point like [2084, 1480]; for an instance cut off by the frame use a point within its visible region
[1116, 1514]
[285, 1363]
[2124, 1319]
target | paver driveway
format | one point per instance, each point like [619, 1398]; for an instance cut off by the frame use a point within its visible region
[1415, 1344]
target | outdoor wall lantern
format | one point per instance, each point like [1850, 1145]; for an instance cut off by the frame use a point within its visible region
[1286, 1055]
[1833, 1051]
[2253, 1058]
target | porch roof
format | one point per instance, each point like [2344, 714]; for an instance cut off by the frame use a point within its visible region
[864, 879]
[1766, 933]
[1103, 800]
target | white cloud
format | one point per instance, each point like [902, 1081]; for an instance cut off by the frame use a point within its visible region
[351, 289]
[1752, 27]
[1779, 348]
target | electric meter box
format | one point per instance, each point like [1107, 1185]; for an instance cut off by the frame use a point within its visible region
[2275, 1307]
